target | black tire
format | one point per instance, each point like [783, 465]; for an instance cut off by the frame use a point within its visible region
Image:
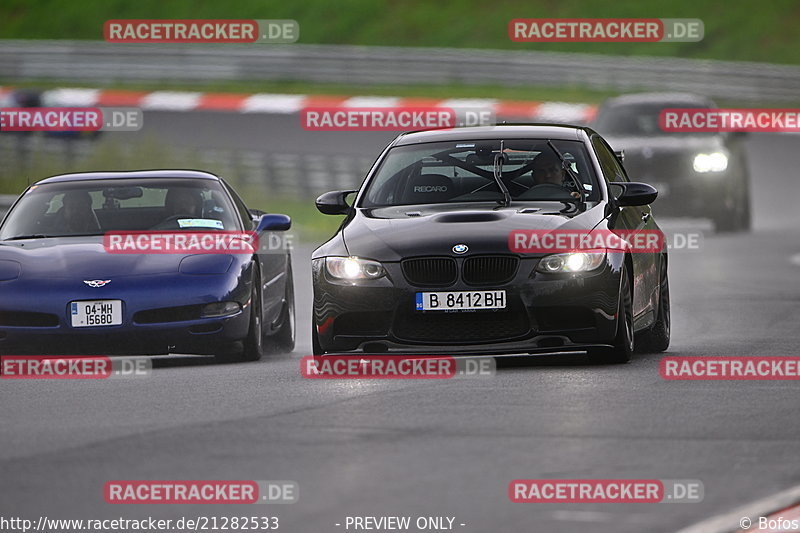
[724, 220]
[316, 347]
[283, 340]
[656, 339]
[745, 218]
[622, 348]
[254, 342]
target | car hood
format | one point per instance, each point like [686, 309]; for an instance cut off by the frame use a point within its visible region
[394, 233]
[83, 257]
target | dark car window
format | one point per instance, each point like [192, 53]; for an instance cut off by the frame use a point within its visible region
[244, 213]
[462, 171]
[612, 170]
[94, 207]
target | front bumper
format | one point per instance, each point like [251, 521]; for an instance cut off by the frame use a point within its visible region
[683, 191]
[544, 313]
[202, 337]
[35, 318]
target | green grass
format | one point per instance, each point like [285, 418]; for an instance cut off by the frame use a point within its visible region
[746, 31]
[310, 226]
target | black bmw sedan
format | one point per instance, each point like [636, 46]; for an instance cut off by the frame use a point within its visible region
[697, 174]
[434, 255]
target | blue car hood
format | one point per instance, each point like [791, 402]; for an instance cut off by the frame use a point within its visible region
[82, 257]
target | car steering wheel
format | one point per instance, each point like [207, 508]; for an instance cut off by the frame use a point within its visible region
[549, 190]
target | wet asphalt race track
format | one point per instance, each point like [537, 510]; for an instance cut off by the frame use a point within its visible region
[443, 447]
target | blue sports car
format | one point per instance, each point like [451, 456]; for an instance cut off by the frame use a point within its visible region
[65, 289]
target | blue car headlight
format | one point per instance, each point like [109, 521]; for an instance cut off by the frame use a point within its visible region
[9, 270]
[205, 264]
[220, 309]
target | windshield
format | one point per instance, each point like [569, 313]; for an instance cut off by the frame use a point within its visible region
[636, 120]
[463, 171]
[94, 207]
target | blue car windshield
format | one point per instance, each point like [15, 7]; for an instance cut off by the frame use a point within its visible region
[98, 206]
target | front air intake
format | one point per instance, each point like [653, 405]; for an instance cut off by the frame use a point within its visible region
[430, 271]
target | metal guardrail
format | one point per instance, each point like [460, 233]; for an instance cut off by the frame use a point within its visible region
[297, 175]
[104, 63]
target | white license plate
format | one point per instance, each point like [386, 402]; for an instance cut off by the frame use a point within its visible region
[94, 313]
[461, 300]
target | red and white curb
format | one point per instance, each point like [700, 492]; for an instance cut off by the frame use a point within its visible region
[294, 103]
[775, 510]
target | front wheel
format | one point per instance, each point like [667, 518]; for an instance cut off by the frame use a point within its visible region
[316, 347]
[656, 339]
[283, 340]
[622, 348]
[253, 343]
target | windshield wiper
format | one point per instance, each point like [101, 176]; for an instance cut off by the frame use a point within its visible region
[497, 172]
[568, 169]
[31, 236]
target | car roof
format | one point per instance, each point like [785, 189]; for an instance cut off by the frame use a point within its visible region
[499, 131]
[658, 98]
[143, 174]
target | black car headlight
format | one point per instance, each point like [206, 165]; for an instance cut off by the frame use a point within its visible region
[353, 268]
[571, 262]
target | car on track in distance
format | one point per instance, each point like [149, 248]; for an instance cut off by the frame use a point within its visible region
[697, 174]
[66, 289]
[422, 262]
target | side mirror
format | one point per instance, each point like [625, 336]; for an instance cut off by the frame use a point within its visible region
[334, 203]
[273, 222]
[633, 193]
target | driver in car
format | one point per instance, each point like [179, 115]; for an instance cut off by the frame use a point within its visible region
[184, 202]
[547, 170]
[77, 215]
